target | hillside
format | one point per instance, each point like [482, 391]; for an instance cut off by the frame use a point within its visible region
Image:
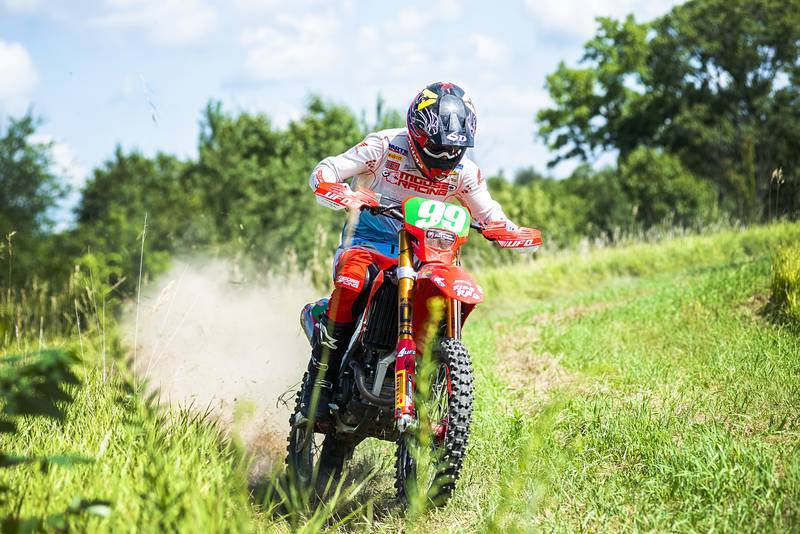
[645, 387]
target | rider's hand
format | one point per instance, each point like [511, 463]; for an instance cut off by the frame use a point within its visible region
[510, 226]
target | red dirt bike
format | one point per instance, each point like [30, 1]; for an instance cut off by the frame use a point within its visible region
[407, 339]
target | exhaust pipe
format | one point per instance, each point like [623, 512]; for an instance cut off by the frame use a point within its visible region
[361, 384]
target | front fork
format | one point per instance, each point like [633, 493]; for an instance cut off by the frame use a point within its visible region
[405, 360]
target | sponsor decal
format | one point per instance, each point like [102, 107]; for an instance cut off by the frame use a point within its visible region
[457, 137]
[464, 291]
[405, 351]
[399, 388]
[516, 243]
[418, 183]
[397, 149]
[452, 181]
[393, 165]
[385, 173]
[439, 281]
[395, 157]
[440, 239]
[346, 281]
[336, 198]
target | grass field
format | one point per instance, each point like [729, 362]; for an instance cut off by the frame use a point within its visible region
[648, 387]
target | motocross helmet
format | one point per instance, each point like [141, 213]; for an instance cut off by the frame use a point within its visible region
[441, 125]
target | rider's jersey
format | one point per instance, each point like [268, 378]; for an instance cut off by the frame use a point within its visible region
[383, 164]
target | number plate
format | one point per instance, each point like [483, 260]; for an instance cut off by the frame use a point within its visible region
[426, 213]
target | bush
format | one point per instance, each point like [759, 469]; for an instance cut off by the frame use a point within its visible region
[786, 282]
[662, 190]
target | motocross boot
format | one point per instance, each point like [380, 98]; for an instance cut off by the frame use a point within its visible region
[329, 344]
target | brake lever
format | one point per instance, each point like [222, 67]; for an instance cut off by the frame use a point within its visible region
[389, 211]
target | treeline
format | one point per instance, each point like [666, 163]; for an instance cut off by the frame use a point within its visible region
[702, 107]
[714, 83]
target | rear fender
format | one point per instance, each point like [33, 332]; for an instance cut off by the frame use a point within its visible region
[452, 281]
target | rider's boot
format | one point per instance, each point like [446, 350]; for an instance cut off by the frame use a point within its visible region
[328, 346]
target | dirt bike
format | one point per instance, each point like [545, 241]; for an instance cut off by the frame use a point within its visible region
[411, 323]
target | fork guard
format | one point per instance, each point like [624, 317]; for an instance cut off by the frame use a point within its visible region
[452, 281]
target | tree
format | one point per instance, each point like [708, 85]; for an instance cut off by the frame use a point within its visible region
[605, 211]
[111, 216]
[716, 82]
[661, 190]
[28, 188]
[28, 193]
[253, 180]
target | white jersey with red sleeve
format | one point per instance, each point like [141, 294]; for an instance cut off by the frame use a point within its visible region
[382, 163]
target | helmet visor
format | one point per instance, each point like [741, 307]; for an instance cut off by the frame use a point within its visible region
[443, 153]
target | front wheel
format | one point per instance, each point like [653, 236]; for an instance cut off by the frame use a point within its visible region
[429, 459]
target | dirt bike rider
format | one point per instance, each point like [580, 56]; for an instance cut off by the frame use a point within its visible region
[425, 159]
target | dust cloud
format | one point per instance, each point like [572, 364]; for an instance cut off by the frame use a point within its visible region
[206, 338]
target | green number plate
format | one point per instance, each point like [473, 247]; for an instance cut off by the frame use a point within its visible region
[425, 213]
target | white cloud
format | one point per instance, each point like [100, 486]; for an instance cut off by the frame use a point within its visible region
[21, 6]
[575, 18]
[64, 162]
[166, 22]
[257, 6]
[296, 47]
[488, 49]
[18, 76]
[65, 165]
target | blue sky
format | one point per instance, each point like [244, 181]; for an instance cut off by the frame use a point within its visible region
[138, 72]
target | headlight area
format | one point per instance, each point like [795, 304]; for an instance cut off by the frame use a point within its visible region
[439, 239]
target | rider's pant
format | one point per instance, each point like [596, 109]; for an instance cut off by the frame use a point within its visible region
[349, 280]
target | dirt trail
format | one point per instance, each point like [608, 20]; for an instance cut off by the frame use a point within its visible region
[207, 339]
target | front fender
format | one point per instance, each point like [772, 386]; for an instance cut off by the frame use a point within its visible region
[452, 281]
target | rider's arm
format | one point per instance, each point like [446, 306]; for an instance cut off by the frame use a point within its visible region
[360, 159]
[474, 194]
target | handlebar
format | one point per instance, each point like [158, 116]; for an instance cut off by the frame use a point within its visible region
[337, 196]
[395, 212]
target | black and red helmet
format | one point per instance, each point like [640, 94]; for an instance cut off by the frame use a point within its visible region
[441, 126]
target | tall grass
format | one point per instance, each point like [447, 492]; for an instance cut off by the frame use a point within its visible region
[786, 282]
[670, 405]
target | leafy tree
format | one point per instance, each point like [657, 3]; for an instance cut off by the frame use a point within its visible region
[253, 180]
[28, 193]
[28, 189]
[111, 216]
[661, 190]
[713, 81]
[605, 210]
